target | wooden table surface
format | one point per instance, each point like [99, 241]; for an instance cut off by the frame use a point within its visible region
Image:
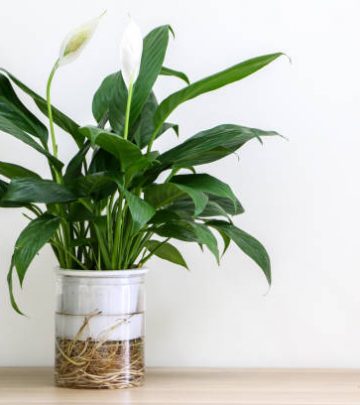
[22, 386]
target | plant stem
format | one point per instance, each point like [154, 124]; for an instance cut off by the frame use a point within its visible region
[128, 108]
[49, 108]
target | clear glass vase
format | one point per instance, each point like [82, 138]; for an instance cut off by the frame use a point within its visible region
[100, 329]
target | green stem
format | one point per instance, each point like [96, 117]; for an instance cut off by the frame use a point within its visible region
[128, 108]
[49, 108]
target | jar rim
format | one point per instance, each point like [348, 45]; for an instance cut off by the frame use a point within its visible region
[101, 273]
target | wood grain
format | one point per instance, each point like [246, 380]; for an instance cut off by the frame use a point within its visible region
[22, 386]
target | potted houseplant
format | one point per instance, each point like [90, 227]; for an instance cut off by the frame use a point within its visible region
[119, 201]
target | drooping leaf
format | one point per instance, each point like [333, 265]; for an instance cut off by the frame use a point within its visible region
[205, 237]
[125, 151]
[175, 73]
[248, 244]
[210, 145]
[161, 195]
[211, 83]
[166, 251]
[189, 231]
[38, 232]
[60, 119]
[14, 110]
[30, 190]
[206, 184]
[11, 129]
[9, 279]
[199, 198]
[12, 171]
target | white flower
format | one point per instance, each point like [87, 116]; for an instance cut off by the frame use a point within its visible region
[130, 53]
[76, 40]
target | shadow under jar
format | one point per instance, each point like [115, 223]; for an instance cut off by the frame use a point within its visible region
[100, 329]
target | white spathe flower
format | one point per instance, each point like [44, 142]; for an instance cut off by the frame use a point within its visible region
[76, 40]
[130, 53]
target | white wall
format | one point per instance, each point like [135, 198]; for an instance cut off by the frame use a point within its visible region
[301, 196]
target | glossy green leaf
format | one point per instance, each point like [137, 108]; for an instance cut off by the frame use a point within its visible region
[167, 252]
[145, 126]
[211, 83]
[38, 232]
[75, 165]
[60, 119]
[199, 198]
[14, 110]
[5, 204]
[12, 171]
[206, 184]
[154, 50]
[210, 145]
[175, 73]
[248, 244]
[109, 102]
[97, 185]
[141, 211]
[8, 127]
[38, 191]
[161, 195]
[206, 237]
[189, 232]
[125, 151]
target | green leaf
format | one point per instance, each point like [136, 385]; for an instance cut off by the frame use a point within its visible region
[206, 184]
[141, 211]
[9, 279]
[145, 125]
[189, 232]
[98, 185]
[200, 199]
[38, 191]
[3, 189]
[154, 50]
[167, 252]
[111, 91]
[210, 145]
[60, 119]
[75, 165]
[175, 73]
[103, 161]
[11, 129]
[125, 151]
[15, 111]
[227, 205]
[248, 244]
[37, 233]
[161, 195]
[111, 97]
[12, 171]
[205, 237]
[211, 83]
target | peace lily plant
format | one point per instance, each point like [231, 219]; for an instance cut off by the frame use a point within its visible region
[119, 201]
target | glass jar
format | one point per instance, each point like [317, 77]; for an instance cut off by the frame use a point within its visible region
[100, 329]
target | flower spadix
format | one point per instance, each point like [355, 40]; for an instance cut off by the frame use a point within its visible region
[76, 40]
[130, 53]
